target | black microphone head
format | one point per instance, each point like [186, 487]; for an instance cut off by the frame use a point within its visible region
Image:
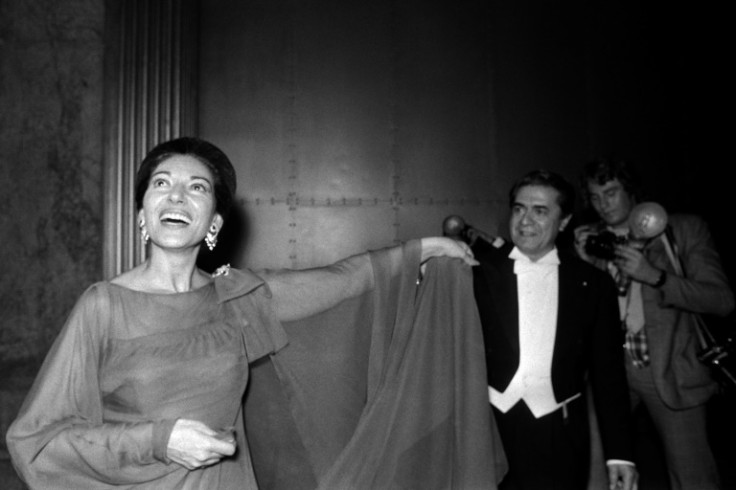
[453, 226]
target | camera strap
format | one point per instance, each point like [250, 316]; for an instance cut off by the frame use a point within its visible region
[670, 246]
[705, 337]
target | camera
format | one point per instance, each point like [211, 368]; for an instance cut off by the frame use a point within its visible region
[603, 245]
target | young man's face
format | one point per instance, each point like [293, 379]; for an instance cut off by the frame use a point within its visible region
[536, 220]
[611, 201]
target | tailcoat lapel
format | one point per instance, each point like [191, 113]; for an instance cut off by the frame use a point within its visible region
[568, 294]
[508, 304]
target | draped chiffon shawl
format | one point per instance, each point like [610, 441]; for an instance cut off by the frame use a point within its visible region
[385, 390]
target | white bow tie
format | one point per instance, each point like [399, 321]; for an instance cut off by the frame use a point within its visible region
[522, 263]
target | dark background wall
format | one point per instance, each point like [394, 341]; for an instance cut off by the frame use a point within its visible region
[357, 124]
[427, 108]
[352, 125]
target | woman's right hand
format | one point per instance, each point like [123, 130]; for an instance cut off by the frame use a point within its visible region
[194, 445]
[446, 247]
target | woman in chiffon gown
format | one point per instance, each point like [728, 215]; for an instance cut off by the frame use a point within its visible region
[143, 386]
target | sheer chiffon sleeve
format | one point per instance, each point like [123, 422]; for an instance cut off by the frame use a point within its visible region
[59, 439]
[298, 294]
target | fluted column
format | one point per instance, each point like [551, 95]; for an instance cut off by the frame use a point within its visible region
[150, 96]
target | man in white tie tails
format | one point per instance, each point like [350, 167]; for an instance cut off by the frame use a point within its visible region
[550, 324]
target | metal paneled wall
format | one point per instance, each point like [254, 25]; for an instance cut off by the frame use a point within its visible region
[352, 125]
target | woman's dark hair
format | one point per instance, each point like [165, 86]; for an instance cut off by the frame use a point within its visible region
[603, 170]
[204, 151]
[545, 178]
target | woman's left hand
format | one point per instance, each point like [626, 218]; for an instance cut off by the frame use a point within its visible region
[194, 445]
[447, 247]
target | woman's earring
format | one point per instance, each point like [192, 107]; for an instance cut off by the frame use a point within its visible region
[144, 232]
[211, 238]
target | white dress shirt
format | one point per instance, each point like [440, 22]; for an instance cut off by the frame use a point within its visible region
[538, 293]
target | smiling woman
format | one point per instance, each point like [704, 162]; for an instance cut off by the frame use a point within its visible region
[177, 212]
[144, 383]
[180, 196]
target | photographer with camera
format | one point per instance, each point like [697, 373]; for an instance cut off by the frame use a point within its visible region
[655, 306]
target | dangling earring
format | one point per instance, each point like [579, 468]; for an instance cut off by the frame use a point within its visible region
[144, 232]
[211, 238]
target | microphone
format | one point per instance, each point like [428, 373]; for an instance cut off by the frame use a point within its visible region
[647, 220]
[454, 226]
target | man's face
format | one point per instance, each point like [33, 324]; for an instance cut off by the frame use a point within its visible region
[536, 220]
[611, 201]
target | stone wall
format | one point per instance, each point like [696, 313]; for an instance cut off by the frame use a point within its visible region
[51, 72]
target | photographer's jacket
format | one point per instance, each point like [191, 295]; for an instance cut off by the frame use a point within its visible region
[681, 380]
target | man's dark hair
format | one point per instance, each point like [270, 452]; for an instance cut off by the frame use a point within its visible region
[603, 170]
[545, 178]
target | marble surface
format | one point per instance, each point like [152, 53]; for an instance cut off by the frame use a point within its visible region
[51, 207]
[50, 166]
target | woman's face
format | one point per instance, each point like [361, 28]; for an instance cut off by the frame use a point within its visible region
[179, 203]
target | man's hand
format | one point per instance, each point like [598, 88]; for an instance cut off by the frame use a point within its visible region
[631, 261]
[622, 476]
